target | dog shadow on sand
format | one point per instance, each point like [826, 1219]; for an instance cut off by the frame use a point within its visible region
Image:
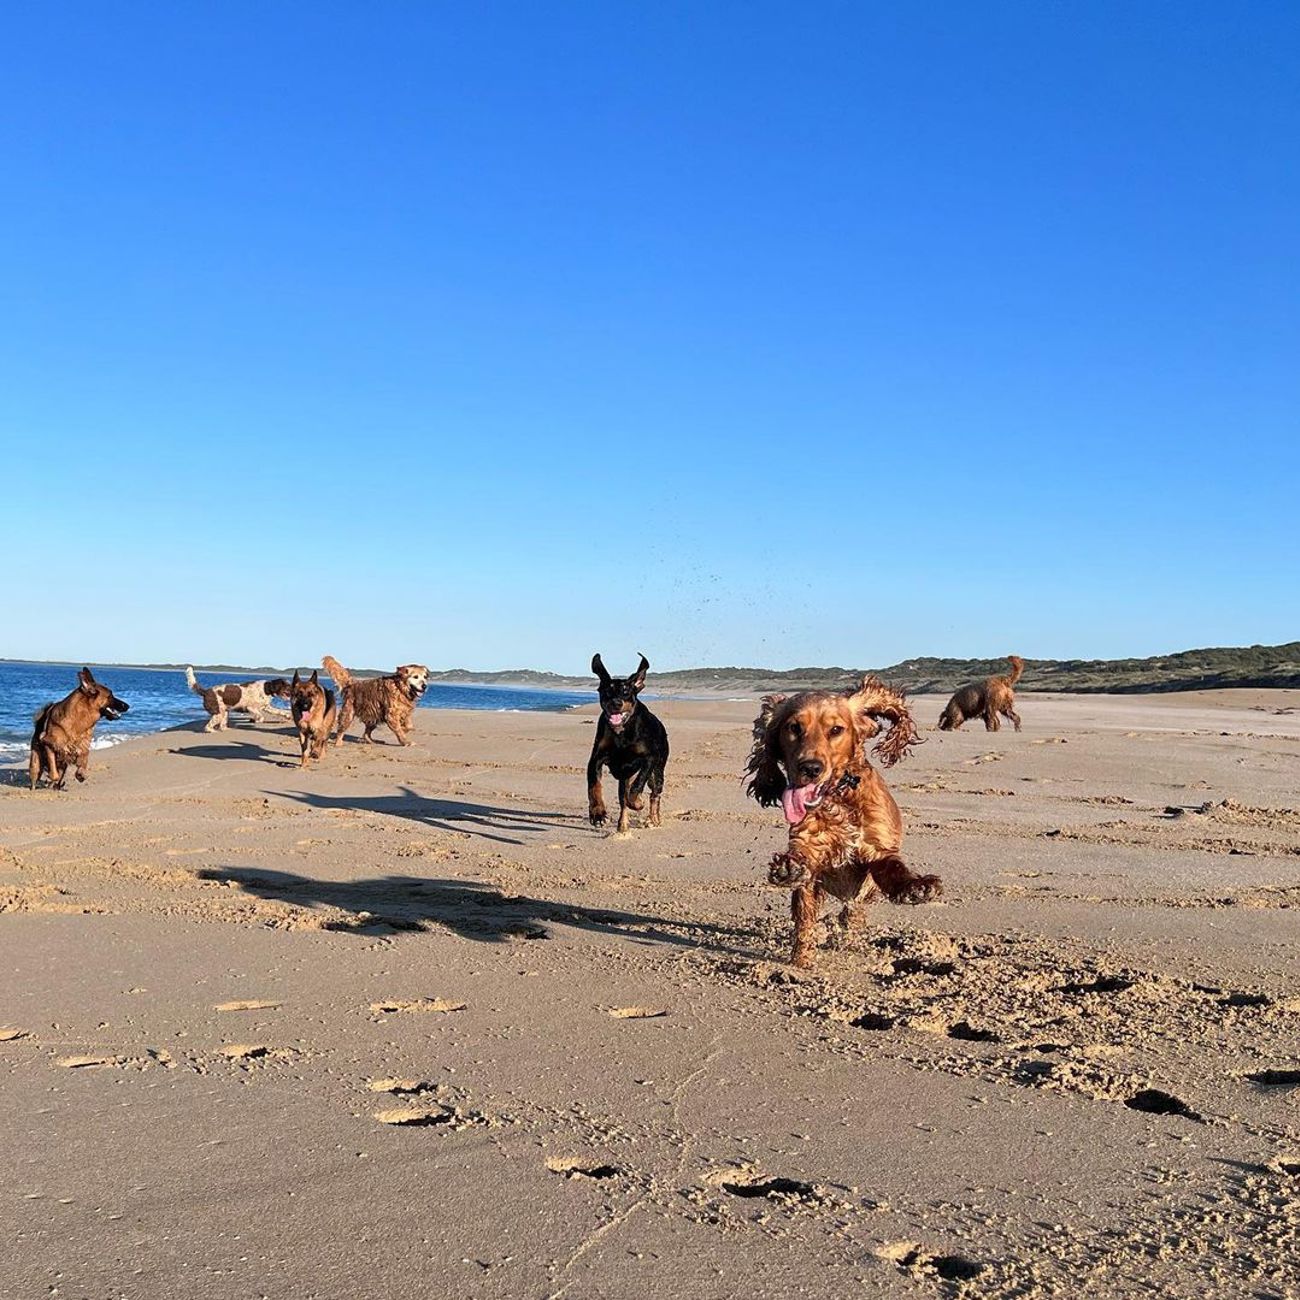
[388, 904]
[248, 750]
[504, 825]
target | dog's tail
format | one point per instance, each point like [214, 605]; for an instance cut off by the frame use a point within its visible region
[39, 719]
[342, 678]
[193, 682]
[1017, 667]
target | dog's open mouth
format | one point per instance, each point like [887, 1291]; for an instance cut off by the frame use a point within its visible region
[616, 720]
[797, 801]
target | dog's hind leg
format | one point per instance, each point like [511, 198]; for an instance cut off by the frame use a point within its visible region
[595, 795]
[1012, 716]
[345, 718]
[630, 789]
[656, 794]
[34, 766]
[851, 917]
[991, 722]
[624, 792]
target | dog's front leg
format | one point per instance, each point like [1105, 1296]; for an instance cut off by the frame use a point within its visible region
[82, 761]
[625, 801]
[900, 884]
[595, 795]
[805, 903]
[805, 856]
[787, 871]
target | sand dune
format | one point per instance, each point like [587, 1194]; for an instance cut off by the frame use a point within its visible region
[406, 1025]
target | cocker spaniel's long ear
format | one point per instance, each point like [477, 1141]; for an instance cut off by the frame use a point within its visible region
[873, 703]
[766, 780]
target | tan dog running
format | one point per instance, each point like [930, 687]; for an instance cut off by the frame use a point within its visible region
[313, 712]
[810, 756]
[390, 699]
[63, 731]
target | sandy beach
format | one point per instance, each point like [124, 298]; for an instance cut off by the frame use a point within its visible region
[407, 1025]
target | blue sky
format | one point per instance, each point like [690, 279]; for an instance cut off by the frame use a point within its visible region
[491, 335]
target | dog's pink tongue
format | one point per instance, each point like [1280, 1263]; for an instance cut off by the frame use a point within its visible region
[794, 802]
[616, 719]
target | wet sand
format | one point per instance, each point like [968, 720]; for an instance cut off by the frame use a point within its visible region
[407, 1025]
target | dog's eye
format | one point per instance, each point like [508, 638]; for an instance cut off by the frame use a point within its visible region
[836, 730]
[795, 729]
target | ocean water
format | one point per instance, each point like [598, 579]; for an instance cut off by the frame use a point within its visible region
[160, 700]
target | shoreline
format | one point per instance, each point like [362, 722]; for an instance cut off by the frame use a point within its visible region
[1279, 703]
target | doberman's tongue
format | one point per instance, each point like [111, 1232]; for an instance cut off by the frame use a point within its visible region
[794, 802]
[616, 719]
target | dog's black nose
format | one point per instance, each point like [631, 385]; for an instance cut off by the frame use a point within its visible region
[810, 769]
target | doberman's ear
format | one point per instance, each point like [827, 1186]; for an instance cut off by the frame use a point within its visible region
[86, 680]
[766, 778]
[638, 678]
[598, 667]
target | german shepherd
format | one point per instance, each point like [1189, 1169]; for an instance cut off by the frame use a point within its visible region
[313, 712]
[63, 731]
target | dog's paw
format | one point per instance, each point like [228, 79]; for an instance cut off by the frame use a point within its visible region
[81, 776]
[786, 872]
[920, 889]
[598, 816]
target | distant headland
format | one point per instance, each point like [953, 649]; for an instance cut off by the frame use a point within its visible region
[1217, 668]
